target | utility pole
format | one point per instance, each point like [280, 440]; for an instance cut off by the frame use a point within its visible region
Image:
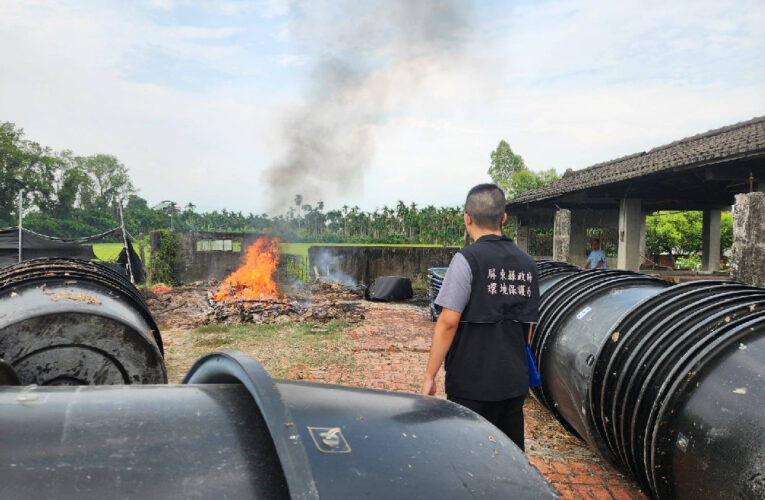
[125, 241]
[21, 216]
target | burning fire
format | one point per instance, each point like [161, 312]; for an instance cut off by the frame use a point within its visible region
[255, 277]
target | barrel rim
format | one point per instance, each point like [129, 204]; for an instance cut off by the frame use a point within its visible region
[620, 353]
[44, 269]
[654, 385]
[236, 367]
[631, 377]
[652, 458]
[570, 297]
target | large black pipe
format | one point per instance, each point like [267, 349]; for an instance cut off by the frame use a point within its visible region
[74, 322]
[233, 432]
[664, 381]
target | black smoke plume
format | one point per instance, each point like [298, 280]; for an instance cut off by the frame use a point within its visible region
[369, 54]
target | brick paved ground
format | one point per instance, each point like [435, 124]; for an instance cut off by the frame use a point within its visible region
[390, 352]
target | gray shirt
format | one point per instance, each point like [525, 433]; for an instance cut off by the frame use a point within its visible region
[455, 290]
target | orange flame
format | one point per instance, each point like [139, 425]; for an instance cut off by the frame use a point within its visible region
[255, 277]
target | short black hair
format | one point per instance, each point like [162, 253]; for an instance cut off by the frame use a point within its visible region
[485, 204]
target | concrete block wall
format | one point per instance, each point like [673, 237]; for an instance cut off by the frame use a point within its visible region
[364, 264]
[193, 265]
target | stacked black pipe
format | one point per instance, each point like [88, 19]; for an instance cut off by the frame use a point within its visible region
[435, 280]
[74, 322]
[230, 431]
[667, 382]
[552, 271]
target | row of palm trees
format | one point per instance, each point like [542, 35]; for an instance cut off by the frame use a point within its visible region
[402, 223]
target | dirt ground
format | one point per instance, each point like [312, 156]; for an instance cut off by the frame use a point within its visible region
[388, 350]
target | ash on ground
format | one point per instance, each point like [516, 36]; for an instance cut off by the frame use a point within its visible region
[192, 306]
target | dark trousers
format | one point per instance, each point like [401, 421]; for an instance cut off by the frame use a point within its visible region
[506, 415]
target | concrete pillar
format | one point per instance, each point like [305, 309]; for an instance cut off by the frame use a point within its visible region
[561, 235]
[522, 233]
[643, 232]
[748, 254]
[631, 219]
[710, 241]
[578, 242]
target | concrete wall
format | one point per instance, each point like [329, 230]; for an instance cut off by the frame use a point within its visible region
[748, 253]
[193, 265]
[365, 264]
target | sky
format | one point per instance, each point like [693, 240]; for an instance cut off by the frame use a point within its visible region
[242, 105]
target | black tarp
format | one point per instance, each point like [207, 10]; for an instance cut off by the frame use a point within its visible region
[36, 246]
[389, 289]
[135, 263]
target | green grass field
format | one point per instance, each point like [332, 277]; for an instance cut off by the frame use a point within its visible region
[110, 251]
[302, 248]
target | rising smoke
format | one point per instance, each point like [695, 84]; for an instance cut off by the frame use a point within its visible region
[368, 55]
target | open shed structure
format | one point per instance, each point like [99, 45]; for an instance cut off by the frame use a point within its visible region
[703, 172]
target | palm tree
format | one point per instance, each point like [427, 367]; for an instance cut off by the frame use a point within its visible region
[298, 204]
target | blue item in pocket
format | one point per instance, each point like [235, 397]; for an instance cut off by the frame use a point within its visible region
[534, 380]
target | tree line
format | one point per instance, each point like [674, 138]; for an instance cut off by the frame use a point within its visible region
[71, 196]
[63, 194]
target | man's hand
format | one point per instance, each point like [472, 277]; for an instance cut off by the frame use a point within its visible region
[530, 334]
[443, 335]
[429, 386]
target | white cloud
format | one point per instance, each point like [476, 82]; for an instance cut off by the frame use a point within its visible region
[567, 84]
[291, 60]
[69, 90]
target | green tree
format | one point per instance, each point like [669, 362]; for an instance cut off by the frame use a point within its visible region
[526, 180]
[726, 231]
[662, 235]
[111, 180]
[299, 204]
[679, 233]
[27, 166]
[509, 172]
[504, 163]
[74, 185]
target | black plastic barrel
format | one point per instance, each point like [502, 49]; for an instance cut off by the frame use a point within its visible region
[664, 381]
[233, 432]
[576, 314]
[435, 280]
[550, 272]
[73, 322]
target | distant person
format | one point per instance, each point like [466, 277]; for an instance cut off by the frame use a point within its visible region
[490, 298]
[597, 257]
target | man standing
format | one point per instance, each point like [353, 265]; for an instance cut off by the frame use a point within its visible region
[489, 300]
[597, 257]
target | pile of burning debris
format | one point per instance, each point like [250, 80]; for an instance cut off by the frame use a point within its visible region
[283, 310]
[251, 295]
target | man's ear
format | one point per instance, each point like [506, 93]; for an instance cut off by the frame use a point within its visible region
[468, 220]
[504, 219]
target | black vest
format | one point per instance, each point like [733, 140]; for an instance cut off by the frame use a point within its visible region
[487, 359]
